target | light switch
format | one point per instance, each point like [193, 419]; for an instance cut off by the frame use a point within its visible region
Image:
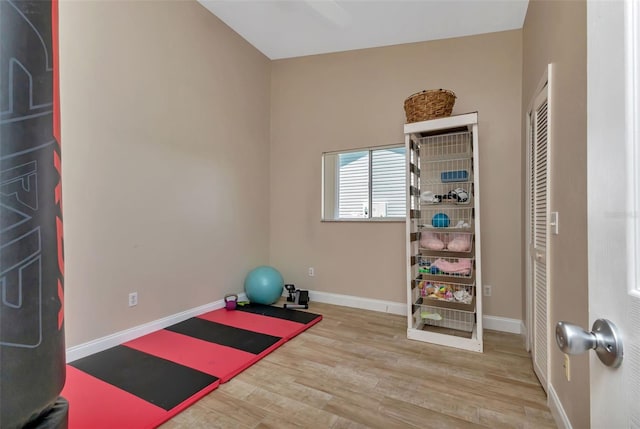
[553, 222]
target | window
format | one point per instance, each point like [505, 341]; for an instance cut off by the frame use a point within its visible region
[364, 184]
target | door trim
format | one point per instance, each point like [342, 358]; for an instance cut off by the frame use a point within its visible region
[632, 35]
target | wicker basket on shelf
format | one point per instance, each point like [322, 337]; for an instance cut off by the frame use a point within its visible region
[429, 104]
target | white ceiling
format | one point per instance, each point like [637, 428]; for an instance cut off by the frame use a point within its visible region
[294, 28]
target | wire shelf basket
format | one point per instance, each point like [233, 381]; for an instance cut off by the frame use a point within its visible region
[460, 242]
[444, 218]
[460, 193]
[446, 266]
[445, 146]
[443, 317]
[446, 171]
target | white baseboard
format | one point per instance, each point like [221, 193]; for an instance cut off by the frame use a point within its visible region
[495, 323]
[100, 344]
[503, 324]
[557, 410]
[359, 302]
[525, 336]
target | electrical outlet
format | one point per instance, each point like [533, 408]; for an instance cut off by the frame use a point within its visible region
[133, 299]
[487, 290]
[312, 272]
[567, 367]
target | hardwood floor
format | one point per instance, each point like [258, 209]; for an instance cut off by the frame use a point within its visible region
[356, 369]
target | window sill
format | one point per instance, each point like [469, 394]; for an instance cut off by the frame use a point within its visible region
[372, 220]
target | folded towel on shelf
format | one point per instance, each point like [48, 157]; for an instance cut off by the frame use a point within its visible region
[430, 197]
[462, 266]
[460, 243]
[462, 224]
[429, 240]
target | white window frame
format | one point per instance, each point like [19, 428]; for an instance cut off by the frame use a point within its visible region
[330, 189]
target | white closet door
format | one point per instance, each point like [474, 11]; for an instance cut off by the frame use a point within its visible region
[538, 218]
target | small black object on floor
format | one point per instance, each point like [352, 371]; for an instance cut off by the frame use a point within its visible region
[279, 312]
[297, 298]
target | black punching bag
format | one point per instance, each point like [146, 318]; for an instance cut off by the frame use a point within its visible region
[32, 348]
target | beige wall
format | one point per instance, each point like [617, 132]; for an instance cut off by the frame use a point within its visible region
[355, 99]
[165, 141]
[555, 32]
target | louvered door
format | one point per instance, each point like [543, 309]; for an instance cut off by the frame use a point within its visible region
[538, 218]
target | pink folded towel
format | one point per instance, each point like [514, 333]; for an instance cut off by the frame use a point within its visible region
[429, 240]
[460, 243]
[463, 266]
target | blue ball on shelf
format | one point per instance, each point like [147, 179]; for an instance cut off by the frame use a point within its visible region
[263, 285]
[440, 220]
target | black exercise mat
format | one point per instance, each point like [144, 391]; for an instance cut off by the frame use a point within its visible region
[281, 313]
[156, 380]
[241, 339]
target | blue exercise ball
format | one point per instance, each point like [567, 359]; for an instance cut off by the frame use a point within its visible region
[440, 220]
[263, 285]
